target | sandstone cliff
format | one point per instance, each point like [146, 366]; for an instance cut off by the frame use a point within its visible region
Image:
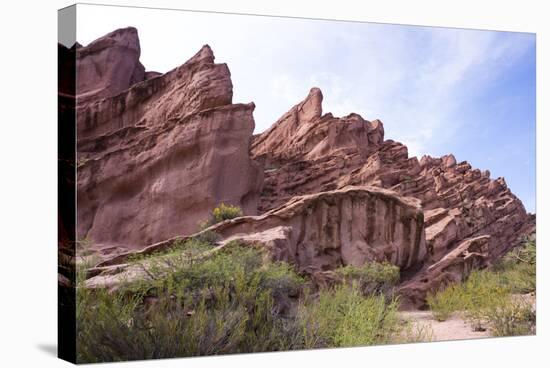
[155, 156]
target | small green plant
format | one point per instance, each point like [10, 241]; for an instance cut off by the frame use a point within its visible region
[225, 212]
[221, 213]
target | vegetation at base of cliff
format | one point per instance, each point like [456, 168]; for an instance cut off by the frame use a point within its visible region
[343, 316]
[233, 300]
[490, 297]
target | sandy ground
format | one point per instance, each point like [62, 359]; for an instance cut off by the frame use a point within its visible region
[454, 328]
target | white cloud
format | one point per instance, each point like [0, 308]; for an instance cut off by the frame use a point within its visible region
[414, 79]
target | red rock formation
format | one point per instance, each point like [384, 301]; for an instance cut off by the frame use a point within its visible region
[157, 152]
[317, 232]
[469, 255]
[155, 158]
[326, 153]
[109, 65]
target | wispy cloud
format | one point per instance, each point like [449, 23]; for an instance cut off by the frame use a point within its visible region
[427, 85]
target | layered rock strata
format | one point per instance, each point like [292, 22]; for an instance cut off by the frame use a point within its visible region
[321, 232]
[159, 154]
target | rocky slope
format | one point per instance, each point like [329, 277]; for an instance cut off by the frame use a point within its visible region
[156, 152]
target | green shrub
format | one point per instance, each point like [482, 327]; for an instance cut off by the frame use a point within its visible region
[446, 302]
[517, 269]
[372, 277]
[221, 213]
[225, 212]
[480, 291]
[483, 291]
[515, 318]
[343, 317]
[225, 303]
[486, 297]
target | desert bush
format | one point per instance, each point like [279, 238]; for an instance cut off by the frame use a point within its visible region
[482, 290]
[221, 213]
[225, 303]
[208, 236]
[344, 317]
[515, 318]
[225, 212]
[446, 302]
[517, 269]
[372, 277]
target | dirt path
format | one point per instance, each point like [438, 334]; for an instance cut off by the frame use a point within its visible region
[454, 328]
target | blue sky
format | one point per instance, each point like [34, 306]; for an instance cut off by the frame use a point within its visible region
[437, 90]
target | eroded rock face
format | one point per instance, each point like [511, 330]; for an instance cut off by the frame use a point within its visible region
[154, 159]
[327, 230]
[455, 266]
[322, 231]
[308, 135]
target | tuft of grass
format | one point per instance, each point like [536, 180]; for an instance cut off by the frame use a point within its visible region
[415, 332]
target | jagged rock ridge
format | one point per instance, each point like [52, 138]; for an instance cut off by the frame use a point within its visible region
[328, 153]
[157, 152]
